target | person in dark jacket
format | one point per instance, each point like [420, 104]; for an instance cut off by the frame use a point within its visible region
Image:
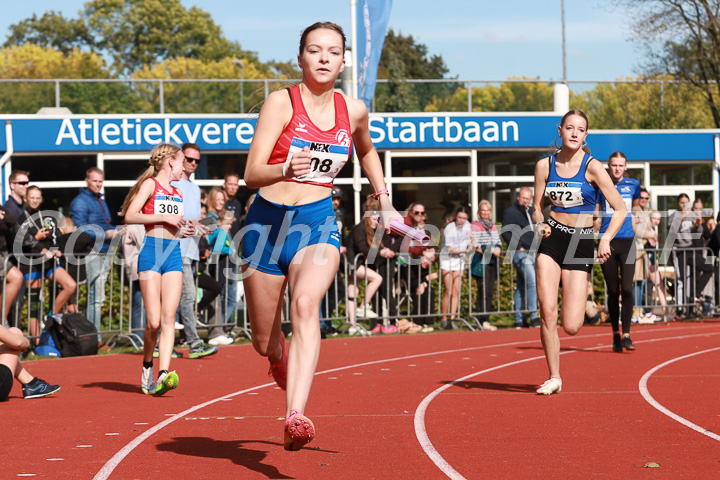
[13, 276]
[41, 238]
[89, 211]
[518, 232]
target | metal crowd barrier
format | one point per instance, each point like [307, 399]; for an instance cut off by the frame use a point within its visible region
[694, 293]
[396, 298]
[117, 310]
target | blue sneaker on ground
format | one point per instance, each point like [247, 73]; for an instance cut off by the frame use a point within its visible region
[38, 388]
[202, 350]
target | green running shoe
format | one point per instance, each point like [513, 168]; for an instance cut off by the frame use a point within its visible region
[166, 382]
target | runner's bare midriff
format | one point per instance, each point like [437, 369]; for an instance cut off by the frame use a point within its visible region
[292, 193]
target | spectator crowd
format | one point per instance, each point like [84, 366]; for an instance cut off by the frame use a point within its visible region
[385, 284]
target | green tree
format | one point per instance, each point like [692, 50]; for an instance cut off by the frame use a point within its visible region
[52, 30]
[417, 64]
[682, 40]
[400, 95]
[649, 105]
[511, 96]
[36, 62]
[132, 33]
[205, 97]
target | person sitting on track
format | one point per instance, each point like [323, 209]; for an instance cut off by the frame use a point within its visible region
[12, 344]
[571, 178]
[304, 136]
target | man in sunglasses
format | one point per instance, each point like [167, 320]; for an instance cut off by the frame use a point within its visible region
[191, 253]
[19, 180]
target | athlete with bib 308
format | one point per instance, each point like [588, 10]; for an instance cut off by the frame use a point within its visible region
[571, 178]
[158, 205]
[304, 136]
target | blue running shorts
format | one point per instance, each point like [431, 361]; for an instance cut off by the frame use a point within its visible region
[274, 233]
[160, 255]
[37, 272]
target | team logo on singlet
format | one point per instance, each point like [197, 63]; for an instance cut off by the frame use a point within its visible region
[301, 127]
[343, 138]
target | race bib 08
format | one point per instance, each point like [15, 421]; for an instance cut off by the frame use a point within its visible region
[168, 205]
[628, 204]
[565, 194]
[326, 162]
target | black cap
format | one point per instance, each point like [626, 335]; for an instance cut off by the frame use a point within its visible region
[337, 192]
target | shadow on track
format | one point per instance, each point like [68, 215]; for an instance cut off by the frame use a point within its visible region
[114, 386]
[502, 387]
[234, 450]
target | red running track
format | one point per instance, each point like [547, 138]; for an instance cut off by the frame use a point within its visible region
[445, 405]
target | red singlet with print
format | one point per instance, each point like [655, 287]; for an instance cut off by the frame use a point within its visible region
[162, 202]
[330, 149]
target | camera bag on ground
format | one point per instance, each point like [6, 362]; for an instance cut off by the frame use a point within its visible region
[74, 334]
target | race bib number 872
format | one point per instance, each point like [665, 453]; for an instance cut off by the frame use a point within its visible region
[565, 194]
[326, 162]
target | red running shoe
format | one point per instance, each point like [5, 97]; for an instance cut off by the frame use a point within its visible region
[299, 431]
[279, 370]
[376, 329]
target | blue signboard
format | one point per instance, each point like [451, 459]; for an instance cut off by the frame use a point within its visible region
[128, 133]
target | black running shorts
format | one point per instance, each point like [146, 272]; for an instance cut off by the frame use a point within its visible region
[571, 248]
[6, 381]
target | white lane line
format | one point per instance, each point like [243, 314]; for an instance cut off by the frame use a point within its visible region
[111, 464]
[649, 398]
[421, 431]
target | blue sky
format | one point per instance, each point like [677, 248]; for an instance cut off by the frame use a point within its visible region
[478, 39]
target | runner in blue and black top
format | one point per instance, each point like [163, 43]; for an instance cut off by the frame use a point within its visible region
[571, 178]
[622, 256]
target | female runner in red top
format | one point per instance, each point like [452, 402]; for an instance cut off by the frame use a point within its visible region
[304, 136]
[158, 205]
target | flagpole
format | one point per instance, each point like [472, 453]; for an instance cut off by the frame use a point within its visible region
[353, 21]
[357, 187]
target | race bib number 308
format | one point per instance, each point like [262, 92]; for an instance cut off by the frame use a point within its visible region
[168, 205]
[565, 194]
[326, 162]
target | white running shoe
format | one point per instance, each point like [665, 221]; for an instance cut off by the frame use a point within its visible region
[488, 327]
[366, 312]
[179, 326]
[552, 385]
[353, 330]
[148, 381]
[220, 340]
